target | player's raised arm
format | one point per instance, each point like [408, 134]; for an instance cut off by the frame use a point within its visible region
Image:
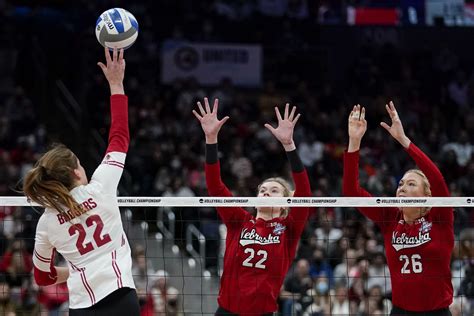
[108, 174]
[211, 126]
[114, 72]
[356, 128]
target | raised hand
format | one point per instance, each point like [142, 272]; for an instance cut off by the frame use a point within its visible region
[114, 71]
[210, 124]
[396, 129]
[357, 123]
[286, 125]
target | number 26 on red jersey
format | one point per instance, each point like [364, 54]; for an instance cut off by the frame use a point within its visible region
[411, 264]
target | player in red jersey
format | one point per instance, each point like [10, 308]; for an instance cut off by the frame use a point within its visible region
[418, 241]
[261, 248]
[82, 220]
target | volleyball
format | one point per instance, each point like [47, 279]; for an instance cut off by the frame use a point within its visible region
[116, 28]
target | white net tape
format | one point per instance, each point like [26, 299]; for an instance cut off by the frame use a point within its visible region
[200, 201]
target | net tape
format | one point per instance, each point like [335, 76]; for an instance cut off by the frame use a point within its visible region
[200, 201]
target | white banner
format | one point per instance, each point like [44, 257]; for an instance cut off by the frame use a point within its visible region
[210, 63]
[199, 201]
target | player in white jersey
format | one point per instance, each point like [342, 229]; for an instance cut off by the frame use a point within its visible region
[82, 219]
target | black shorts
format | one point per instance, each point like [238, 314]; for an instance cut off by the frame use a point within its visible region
[122, 302]
[396, 311]
[222, 312]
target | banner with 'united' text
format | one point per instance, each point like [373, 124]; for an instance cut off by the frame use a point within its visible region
[210, 63]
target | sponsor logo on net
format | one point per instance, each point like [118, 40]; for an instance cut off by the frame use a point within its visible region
[400, 201]
[223, 201]
[311, 200]
[139, 200]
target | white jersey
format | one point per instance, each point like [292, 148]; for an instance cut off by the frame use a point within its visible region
[94, 244]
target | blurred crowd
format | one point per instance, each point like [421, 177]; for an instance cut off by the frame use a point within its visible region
[340, 266]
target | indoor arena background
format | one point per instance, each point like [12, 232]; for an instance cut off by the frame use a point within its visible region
[322, 56]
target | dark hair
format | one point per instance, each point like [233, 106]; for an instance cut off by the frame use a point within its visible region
[48, 183]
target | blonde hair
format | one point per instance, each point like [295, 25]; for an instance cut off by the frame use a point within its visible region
[287, 192]
[426, 186]
[48, 183]
[426, 182]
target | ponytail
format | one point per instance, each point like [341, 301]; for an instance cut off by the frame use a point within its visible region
[51, 179]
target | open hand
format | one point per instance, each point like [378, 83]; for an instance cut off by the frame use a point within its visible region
[357, 124]
[396, 129]
[284, 131]
[210, 124]
[114, 71]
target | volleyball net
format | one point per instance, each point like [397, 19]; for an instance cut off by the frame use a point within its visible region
[178, 244]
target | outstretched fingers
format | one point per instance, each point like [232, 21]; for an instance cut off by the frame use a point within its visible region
[362, 114]
[392, 112]
[356, 113]
[206, 104]
[285, 115]
[351, 115]
[392, 106]
[115, 54]
[201, 108]
[199, 117]
[385, 125]
[296, 119]
[270, 128]
[278, 115]
[107, 56]
[215, 107]
[292, 113]
[221, 122]
[121, 55]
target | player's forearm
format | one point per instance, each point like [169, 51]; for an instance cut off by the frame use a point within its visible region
[295, 160]
[62, 274]
[212, 155]
[116, 88]
[354, 145]
[119, 135]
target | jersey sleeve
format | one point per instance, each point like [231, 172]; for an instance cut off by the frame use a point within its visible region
[436, 180]
[109, 172]
[231, 216]
[43, 256]
[299, 215]
[351, 187]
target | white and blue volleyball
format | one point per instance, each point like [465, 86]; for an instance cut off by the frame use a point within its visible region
[116, 28]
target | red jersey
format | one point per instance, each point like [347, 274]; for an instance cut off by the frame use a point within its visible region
[418, 255]
[258, 252]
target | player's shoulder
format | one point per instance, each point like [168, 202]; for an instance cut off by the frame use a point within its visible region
[46, 218]
[92, 188]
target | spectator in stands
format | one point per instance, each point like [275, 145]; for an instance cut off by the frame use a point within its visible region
[379, 274]
[16, 264]
[340, 300]
[7, 307]
[341, 272]
[295, 288]
[321, 298]
[163, 297]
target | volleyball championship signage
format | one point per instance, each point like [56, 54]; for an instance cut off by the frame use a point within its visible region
[274, 201]
[210, 63]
